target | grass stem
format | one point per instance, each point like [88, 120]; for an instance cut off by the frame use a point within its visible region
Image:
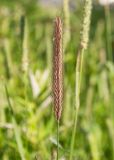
[73, 134]
[77, 89]
[108, 31]
[79, 65]
[58, 140]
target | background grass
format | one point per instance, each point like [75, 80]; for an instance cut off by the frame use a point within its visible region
[33, 125]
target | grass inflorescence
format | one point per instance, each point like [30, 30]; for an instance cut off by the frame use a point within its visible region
[79, 63]
[58, 73]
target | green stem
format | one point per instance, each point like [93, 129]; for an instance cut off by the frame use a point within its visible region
[25, 77]
[77, 90]
[58, 140]
[73, 135]
[113, 150]
[79, 65]
[108, 31]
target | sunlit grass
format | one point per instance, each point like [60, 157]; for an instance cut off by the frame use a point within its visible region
[32, 131]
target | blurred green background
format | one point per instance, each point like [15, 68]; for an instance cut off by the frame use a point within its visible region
[26, 47]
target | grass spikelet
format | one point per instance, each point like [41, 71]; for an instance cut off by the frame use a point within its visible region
[58, 69]
[57, 75]
[86, 24]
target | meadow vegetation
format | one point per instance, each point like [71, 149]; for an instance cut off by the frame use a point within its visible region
[27, 121]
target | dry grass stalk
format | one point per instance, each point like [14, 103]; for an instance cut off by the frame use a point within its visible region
[57, 69]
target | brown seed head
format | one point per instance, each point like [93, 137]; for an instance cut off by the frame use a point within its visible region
[57, 69]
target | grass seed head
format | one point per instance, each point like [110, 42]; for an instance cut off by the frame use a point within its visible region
[86, 24]
[57, 69]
